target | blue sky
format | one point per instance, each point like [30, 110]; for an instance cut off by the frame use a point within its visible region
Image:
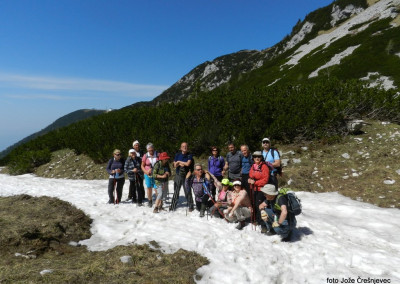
[60, 56]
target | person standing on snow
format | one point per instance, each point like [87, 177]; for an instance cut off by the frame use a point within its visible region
[148, 161]
[258, 177]
[247, 161]
[133, 169]
[183, 163]
[272, 156]
[161, 172]
[139, 154]
[216, 165]
[233, 163]
[115, 168]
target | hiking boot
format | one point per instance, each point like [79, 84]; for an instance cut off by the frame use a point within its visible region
[191, 209]
[160, 208]
[264, 230]
[134, 201]
[139, 204]
[150, 204]
[270, 233]
[110, 202]
[287, 239]
[241, 225]
[202, 210]
[155, 210]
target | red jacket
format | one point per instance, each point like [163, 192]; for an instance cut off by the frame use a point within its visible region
[260, 174]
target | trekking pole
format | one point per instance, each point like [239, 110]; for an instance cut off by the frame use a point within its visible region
[115, 191]
[253, 212]
[208, 193]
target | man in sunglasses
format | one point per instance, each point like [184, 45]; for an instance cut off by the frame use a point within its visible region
[271, 155]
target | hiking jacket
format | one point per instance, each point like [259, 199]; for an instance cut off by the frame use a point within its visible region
[216, 165]
[260, 174]
[197, 186]
[131, 164]
[159, 169]
[113, 165]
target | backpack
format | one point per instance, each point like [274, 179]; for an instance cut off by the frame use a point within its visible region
[278, 169]
[294, 203]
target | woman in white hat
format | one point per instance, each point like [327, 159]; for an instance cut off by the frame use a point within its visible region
[239, 205]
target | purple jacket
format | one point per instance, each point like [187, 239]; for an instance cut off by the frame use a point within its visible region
[216, 165]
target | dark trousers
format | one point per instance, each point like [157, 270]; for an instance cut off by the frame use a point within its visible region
[245, 183]
[136, 189]
[204, 200]
[119, 183]
[178, 183]
[256, 198]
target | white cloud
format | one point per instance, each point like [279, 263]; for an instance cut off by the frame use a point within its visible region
[77, 84]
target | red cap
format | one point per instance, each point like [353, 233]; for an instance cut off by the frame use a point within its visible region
[163, 156]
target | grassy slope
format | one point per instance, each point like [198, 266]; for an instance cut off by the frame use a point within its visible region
[40, 230]
[374, 157]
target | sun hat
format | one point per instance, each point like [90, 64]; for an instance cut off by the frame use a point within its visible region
[135, 142]
[237, 182]
[257, 154]
[132, 151]
[226, 181]
[269, 189]
[266, 139]
[117, 151]
[163, 156]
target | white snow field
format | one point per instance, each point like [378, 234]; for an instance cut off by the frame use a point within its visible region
[336, 238]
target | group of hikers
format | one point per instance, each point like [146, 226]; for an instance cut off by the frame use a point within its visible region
[249, 193]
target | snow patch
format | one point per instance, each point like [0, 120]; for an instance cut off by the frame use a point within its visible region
[347, 12]
[326, 242]
[335, 60]
[305, 29]
[274, 82]
[382, 81]
[382, 9]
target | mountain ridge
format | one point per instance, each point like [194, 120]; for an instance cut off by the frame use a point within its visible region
[64, 120]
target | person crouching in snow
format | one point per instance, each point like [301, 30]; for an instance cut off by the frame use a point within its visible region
[200, 182]
[274, 212]
[221, 203]
[161, 172]
[239, 205]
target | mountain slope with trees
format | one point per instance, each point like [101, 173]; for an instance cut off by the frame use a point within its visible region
[301, 88]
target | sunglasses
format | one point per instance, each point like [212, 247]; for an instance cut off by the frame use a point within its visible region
[265, 142]
[117, 154]
[199, 169]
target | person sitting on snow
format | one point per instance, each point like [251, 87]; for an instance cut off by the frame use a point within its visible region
[239, 205]
[275, 214]
[200, 182]
[221, 203]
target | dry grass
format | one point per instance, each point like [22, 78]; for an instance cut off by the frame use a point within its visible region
[39, 231]
[357, 167]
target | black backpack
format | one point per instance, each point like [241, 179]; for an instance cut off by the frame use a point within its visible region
[294, 203]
